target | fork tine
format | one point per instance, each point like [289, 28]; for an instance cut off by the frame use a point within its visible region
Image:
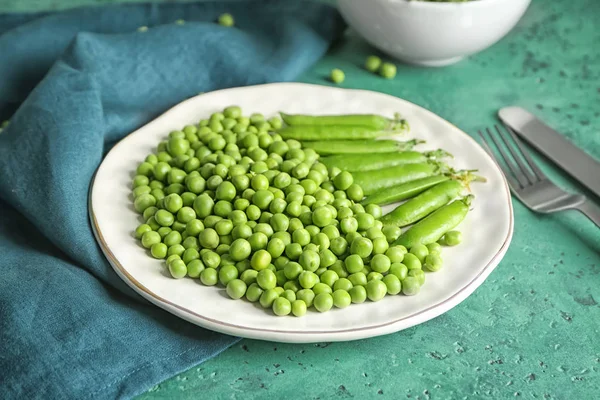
[540, 175]
[523, 181]
[530, 177]
[514, 185]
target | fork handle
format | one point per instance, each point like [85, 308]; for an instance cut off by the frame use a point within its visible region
[590, 210]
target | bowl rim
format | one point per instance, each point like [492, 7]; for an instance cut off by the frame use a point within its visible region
[444, 4]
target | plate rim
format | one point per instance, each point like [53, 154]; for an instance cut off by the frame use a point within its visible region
[301, 336]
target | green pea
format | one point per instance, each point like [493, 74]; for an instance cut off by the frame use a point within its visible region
[301, 236]
[309, 260]
[411, 261]
[452, 238]
[266, 279]
[339, 246]
[209, 238]
[411, 286]
[254, 292]
[260, 260]
[143, 202]
[434, 248]
[380, 245]
[299, 308]
[343, 180]
[358, 294]
[203, 205]
[275, 247]
[380, 263]
[195, 268]
[211, 221]
[186, 214]
[341, 298]
[151, 222]
[224, 227]
[337, 75]
[329, 278]
[419, 274]
[396, 253]
[282, 306]
[433, 262]
[420, 251]
[291, 285]
[306, 295]
[190, 255]
[361, 246]
[391, 232]
[149, 238]
[308, 279]
[248, 276]
[211, 259]
[140, 190]
[140, 230]
[355, 192]
[322, 216]
[242, 231]
[258, 241]
[268, 298]
[178, 226]
[236, 289]
[321, 288]
[358, 279]
[349, 225]
[354, 263]
[227, 274]
[376, 290]
[158, 250]
[331, 231]
[145, 169]
[172, 238]
[387, 70]
[400, 270]
[240, 249]
[323, 302]
[188, 199]
[209, 277]
[178, 269]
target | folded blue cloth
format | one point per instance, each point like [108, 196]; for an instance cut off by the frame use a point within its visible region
[77, 82]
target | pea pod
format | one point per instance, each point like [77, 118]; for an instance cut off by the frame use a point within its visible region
[329, 132]
[423, 204]
[327, 147]
[376, 161]
[373, 181]
[433, 227]
[372, 121]
[404, 191]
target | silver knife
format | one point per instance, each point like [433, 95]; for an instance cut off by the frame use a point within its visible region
[553, 145]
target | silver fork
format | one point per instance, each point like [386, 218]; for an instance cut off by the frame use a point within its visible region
[528, 183]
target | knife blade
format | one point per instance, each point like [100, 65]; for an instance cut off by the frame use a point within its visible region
[577, 163]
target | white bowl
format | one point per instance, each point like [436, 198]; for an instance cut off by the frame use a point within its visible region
[432, 34]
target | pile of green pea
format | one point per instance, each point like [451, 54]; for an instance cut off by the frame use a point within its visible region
[229, 202]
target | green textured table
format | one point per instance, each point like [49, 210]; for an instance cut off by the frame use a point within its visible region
[532, 329]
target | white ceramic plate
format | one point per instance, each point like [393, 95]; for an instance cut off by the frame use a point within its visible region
[487, 230]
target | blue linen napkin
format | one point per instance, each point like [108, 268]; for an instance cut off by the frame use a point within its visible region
[77, 82]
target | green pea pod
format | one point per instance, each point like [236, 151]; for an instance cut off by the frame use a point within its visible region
[371, 121]
[433, 227]
[424, 204]
[373, 181]
[329, 132]
[404, 191]
[376, 161]
[328, 147]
